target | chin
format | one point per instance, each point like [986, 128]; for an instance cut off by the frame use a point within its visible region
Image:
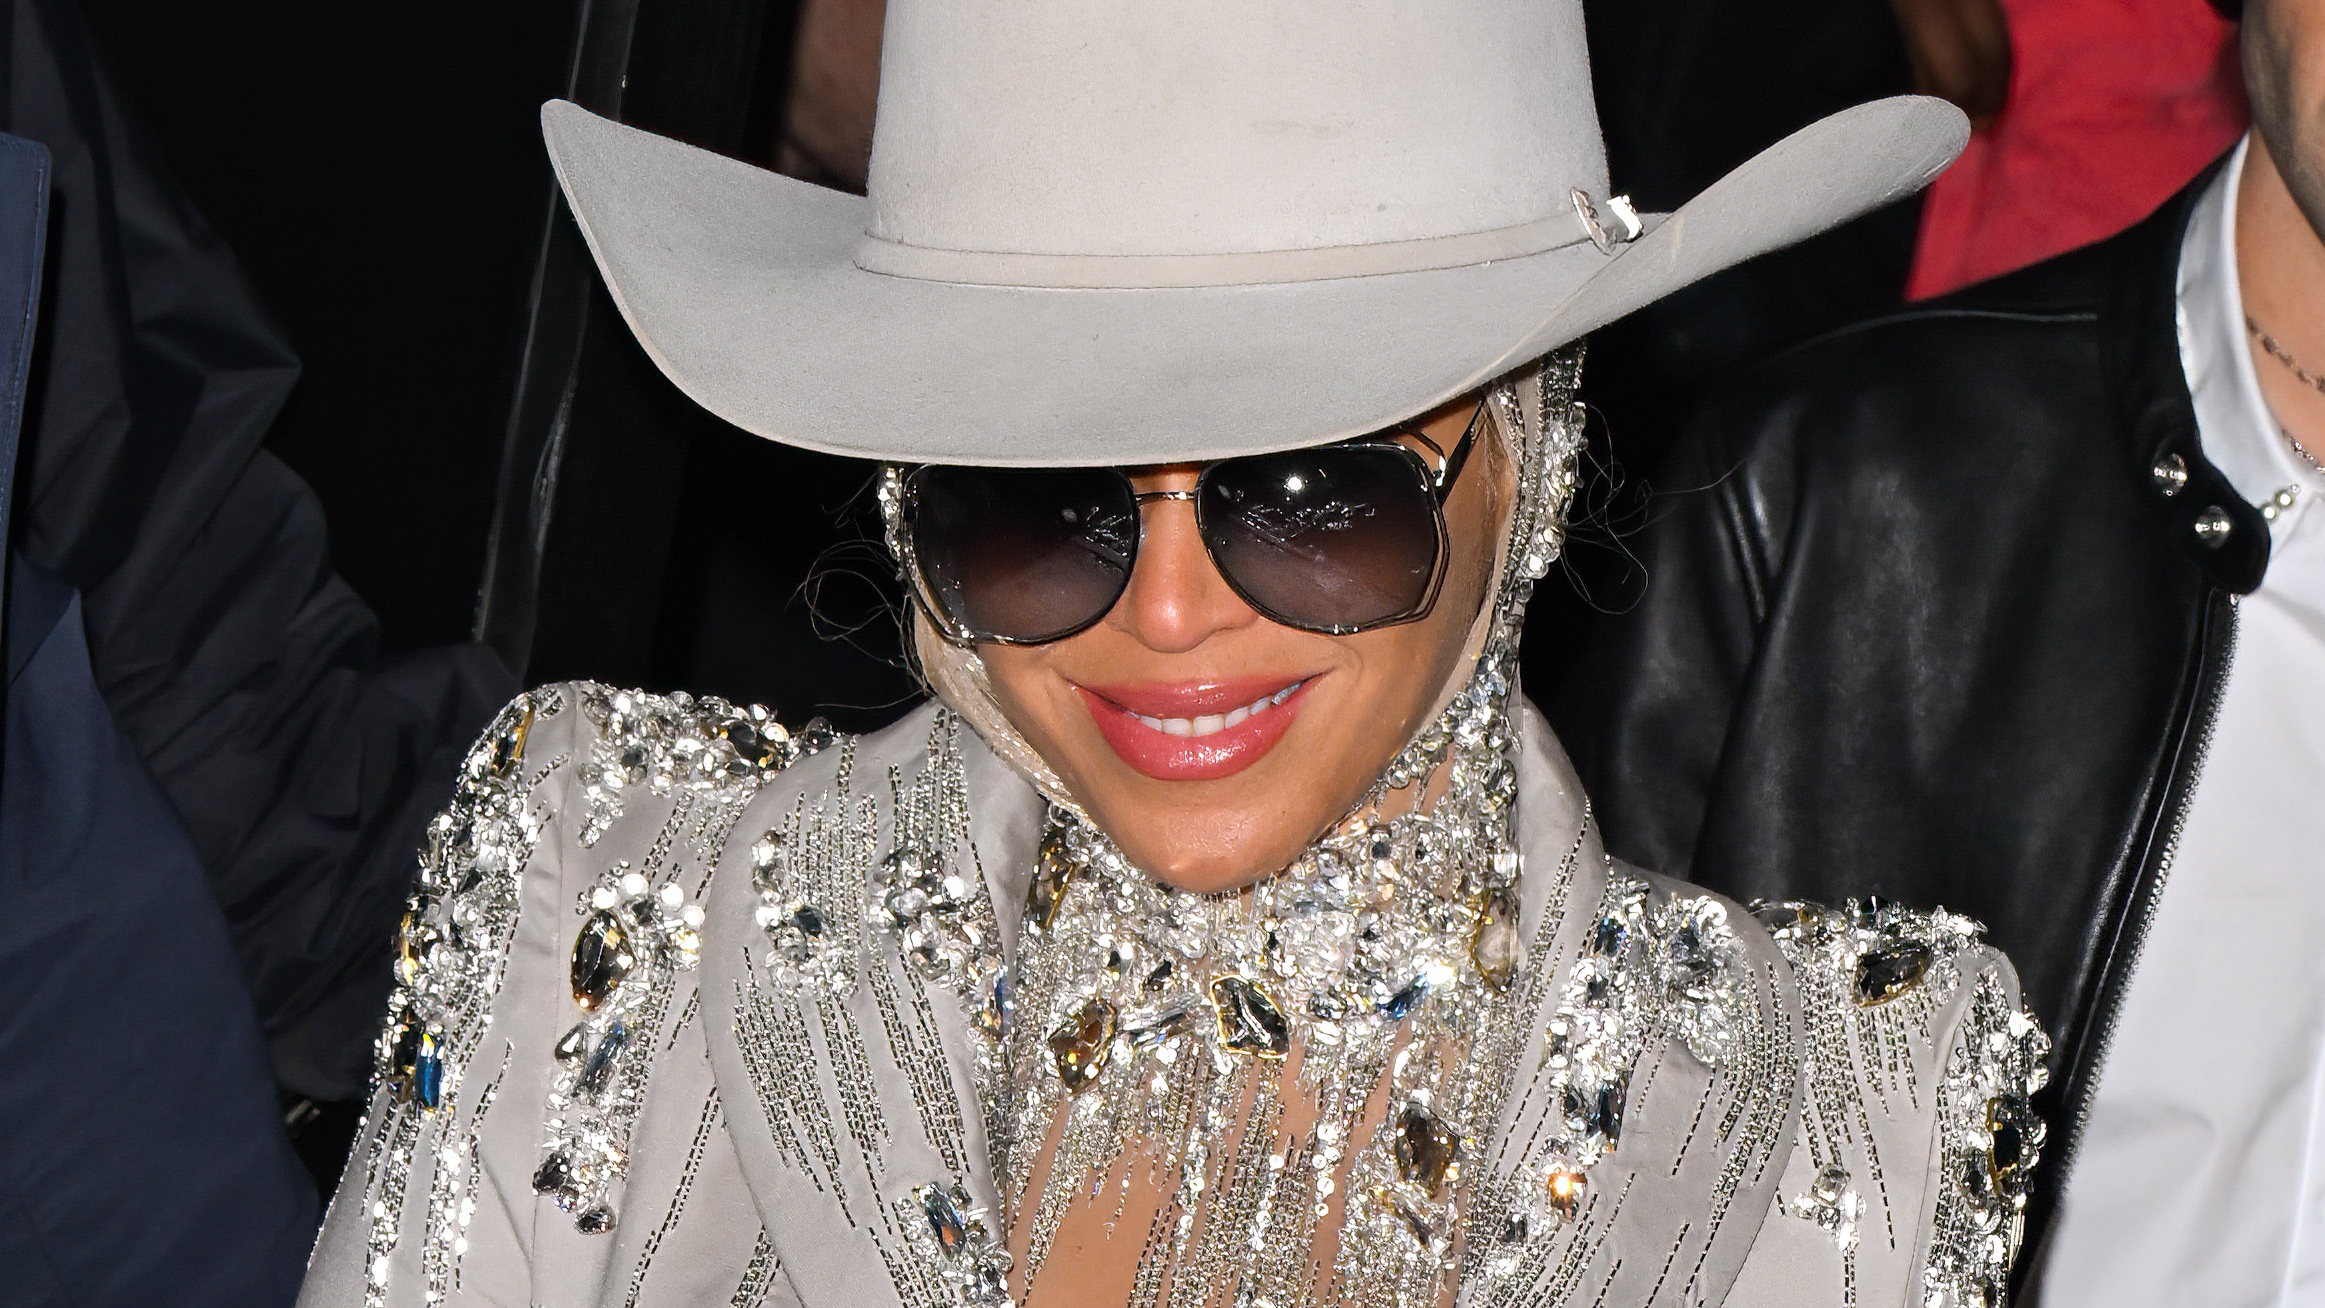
[1217, 835]
[1205, 870]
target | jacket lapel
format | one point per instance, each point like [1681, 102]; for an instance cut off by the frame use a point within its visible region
[854, 1103]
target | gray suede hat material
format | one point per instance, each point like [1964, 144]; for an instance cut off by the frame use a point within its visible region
[1100, 232]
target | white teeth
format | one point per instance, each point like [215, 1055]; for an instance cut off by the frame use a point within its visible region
[1211, 723]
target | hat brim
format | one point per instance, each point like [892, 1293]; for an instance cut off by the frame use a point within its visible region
[742, 286]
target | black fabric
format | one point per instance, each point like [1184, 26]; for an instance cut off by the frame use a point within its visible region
[23, 244]
[141, 1161]
[241, 668]
[1932, 630]
[1688, 90]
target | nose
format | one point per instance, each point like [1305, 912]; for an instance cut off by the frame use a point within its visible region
[1176, 598]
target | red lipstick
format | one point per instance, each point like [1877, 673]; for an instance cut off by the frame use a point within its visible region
[1195, 730]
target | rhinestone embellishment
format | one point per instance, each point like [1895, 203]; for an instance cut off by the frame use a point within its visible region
[954, 1239]
[633, 936]
[638, 930]
[450, 949]
[1249, 1020]
[1081, 1046]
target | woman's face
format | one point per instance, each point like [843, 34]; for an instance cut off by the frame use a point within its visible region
[1204, 806]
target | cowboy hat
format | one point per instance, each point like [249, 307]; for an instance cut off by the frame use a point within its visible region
[1148, 231]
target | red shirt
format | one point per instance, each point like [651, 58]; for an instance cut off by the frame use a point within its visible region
[2114, 105]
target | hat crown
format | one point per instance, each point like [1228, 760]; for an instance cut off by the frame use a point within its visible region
[1077, 129]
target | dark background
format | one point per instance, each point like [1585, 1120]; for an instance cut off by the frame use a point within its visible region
[373, 168]
[379, 172]
[476, 420]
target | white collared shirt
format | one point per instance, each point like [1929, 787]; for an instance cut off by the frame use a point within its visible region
[2201, 1176]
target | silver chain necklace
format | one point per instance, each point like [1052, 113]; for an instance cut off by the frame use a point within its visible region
[2284, 357]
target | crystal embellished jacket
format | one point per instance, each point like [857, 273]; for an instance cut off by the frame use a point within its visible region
[693, 1011]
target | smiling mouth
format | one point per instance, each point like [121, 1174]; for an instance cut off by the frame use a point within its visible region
[1211, 724]
[1161, 729]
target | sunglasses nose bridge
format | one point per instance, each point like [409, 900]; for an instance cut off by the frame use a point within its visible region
[1175, 597]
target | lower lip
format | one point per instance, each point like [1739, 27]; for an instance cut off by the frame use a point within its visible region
[1166, 757]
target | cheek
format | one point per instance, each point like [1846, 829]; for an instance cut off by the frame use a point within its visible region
[1478, 526]
[1406, 667]
[1025, 688]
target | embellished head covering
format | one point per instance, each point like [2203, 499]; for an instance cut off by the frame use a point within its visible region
[1533, 416]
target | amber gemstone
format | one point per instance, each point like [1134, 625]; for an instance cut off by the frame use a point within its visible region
[1081, 1044]
[601, 959]
[508, 748]
[1497, 949]
[404, 1059]
[1889, 971]
[1428, 1150]
[1250, 1021]
[1566, 1188]
[2016, 1139]
[411, 941]
[1423, 1231]
[1053, 871]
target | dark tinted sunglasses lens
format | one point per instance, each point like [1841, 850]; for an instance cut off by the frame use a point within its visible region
[1334, 538]
[1023, 554]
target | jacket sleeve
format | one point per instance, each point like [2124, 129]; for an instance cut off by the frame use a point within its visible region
[245, 671]
[1644, 706]
[1908, 1184]
[544, 1125]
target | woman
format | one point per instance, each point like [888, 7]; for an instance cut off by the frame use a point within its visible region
[1231, 932]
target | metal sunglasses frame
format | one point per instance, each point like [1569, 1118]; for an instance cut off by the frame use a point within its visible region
[1437, 483]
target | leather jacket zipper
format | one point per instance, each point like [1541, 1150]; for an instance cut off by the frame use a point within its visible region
[2219, 645]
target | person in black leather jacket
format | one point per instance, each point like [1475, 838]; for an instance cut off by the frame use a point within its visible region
[1943, 607]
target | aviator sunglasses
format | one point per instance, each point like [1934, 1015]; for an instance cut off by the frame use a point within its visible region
[1335, 539]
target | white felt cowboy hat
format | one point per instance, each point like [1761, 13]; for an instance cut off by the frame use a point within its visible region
[1145, 231]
